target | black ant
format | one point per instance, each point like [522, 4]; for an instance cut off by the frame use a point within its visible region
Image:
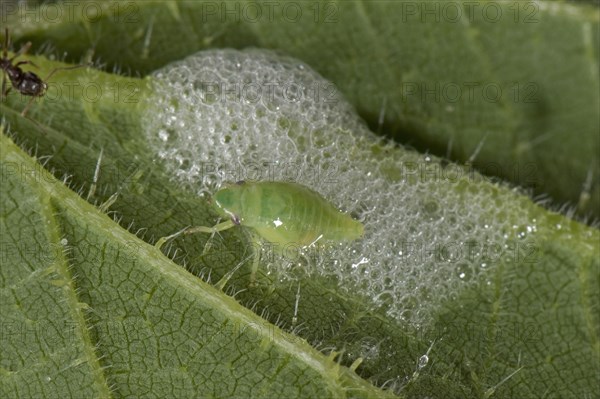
[26, 83]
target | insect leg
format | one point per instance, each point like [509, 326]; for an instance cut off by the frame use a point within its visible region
[221, 283]
[209, 243]
[162, 240]
[256, 245]
[202, 229]
[5, 89]
[198, 229]
[22, 50]
[25, 62]
[28, 105]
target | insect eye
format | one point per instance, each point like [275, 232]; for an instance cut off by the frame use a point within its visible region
[240, 182]
[235, 219]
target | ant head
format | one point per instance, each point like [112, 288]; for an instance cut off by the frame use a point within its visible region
[44, 87]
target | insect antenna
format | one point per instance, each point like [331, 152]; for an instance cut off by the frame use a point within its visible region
[4, 90]
[23, 50]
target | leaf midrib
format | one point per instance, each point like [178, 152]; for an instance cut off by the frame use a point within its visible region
[61, 266]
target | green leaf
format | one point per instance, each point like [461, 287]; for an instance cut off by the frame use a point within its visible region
[128, 321]
[90, 310]
[510, 87]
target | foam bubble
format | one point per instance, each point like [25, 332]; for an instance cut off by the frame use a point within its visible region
[430, 231]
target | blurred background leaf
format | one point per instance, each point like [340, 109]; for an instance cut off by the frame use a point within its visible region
[511, 88]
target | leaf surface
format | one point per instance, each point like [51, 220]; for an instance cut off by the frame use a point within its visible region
[114, 317]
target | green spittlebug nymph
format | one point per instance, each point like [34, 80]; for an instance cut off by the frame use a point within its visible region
[282, 213]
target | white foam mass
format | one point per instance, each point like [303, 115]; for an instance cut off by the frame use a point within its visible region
[430, 231]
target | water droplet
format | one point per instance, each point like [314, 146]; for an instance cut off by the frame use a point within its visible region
[464, 272]
[423, 360]
[431, 208]
[167, 135]
[163, 135]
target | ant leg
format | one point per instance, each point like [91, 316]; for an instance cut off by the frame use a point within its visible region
[27, 106]
[23, 50]
[5, 89]
[25, 62]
